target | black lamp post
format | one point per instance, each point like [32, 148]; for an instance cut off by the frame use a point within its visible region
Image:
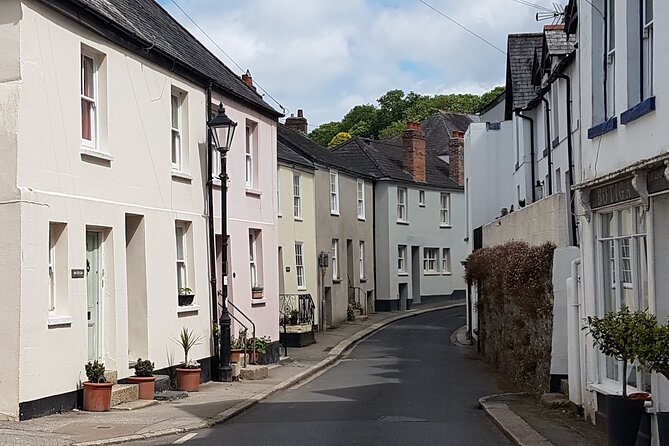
[222, 131]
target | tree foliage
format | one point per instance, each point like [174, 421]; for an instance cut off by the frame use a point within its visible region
[394, 109]
[339, 138]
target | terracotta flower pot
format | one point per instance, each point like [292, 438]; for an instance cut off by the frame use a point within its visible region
[188, 380]
[258, 294]
[236, 355]
[147, 386]
[97, 396]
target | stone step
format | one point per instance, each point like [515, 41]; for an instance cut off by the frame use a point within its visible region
[134, 405]
[111, 376]
[254, 372]
[170, 395]
[554, 400]
[162, 383]
[123, 393]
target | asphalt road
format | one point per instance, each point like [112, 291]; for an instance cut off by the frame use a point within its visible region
[405, 385]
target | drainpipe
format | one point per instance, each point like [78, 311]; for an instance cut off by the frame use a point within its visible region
[212, 239]
[527, 118]
[570, 157]
[374, 238]
[574, 335]
[547, 108]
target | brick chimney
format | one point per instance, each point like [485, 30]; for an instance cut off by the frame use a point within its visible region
[456, 157]
[413, 151]
[248, 80]
[299, 123]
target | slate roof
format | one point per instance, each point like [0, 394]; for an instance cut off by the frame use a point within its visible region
[520, 56]
[287, 155]
[147, 21]
[556, 41]
[383, 160]
[438, 129]
[314, 153]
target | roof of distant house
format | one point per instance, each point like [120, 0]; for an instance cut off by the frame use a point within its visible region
[521, 50]
[150, 31]
[438, 129]
[557, 42]
[286, 155]
[383, 160]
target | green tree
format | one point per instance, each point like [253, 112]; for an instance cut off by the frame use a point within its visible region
[339, 138]
[360, 113]
[325, 132]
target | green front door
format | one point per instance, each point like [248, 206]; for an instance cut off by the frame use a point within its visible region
[93, 284]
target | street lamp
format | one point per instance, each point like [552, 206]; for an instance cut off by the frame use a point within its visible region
[222, 131]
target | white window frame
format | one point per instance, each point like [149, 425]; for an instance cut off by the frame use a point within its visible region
[360, 186]
[446, 260]
[52, 269]
[249, 148]
[334, 192]
[402, 204]
[299, 266]
[93, 102]
[421, 198]
[181, 261]
[334, 254]
[278, 193]
[610, 87]
[647, 43]
[361, 259]
[430, 260]
[616, 281]
[176, 99]
[253, 258]
[402, 259]
[297, 195]
[445, 209]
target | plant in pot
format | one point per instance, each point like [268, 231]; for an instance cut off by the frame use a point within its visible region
[256, 292]
[186, 297]
[624, 335]
[144, 378]
[237, 346]
[294, 317]
[258, 347]
[97, 391]
[656, 359]
[188, 372]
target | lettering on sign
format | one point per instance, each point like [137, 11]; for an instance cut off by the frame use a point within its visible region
[612, 194]
[657, 182]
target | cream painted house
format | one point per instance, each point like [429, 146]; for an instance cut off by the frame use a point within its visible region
[103, 194]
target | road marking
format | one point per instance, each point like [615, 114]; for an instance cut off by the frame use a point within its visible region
[185, 438]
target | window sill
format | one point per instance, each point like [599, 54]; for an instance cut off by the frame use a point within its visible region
[297, 218]
[445, 226]
[431, 273]
[421, 205]
[363, 280]
[92, 153]
[639, 110]
[178, 175]
[336, 280]
[55, 320]
[402, 222]
[253, 193]
[361, 218]
[188, 309]
[447, 273]
[334, 214]
[279, 216]
[603, 128]
[403, 274]
[258, 302]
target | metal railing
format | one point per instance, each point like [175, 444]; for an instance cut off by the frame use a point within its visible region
[358, 297]
[297, 309]
[245, 328]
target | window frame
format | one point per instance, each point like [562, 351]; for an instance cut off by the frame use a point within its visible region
[361, 259]
[421, 198]
[610, 68]
[445, 212]
[647, 50]
[429, 260]
[299, 266]
[334, 255]
[176, 132]
[402, 259]
[402, 204]
[334, 192]
[297, 195]
[253, 259]
[446, 261]
[181, 263]
[94, 120]
[52, 269]
[249, 147]
[360, 188]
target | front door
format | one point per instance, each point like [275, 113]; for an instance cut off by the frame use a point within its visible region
[93, 292]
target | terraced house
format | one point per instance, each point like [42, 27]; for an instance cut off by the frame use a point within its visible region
[105, 184]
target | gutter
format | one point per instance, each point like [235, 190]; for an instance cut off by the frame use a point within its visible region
[532, 155]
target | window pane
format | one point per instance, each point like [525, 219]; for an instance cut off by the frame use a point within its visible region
[625, 222]
[88, 79]
[175, 112]
[87, 119]
[608, 270]
[649, 10]
[607, 224]
[643, 272]
[180, 243]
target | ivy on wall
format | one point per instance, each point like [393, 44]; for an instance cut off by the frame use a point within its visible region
[515, 309]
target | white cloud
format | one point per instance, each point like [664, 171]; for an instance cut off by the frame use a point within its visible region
[326, 56]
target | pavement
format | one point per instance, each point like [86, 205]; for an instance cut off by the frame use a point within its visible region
[218, 402]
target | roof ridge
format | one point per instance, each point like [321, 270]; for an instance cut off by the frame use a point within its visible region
[371, 158]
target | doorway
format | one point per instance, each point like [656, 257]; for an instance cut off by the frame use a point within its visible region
[403, 292]
[93, 291]
[415, 277]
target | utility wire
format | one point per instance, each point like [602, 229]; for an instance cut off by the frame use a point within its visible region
[533, 5]
[226, 54]
[461, 26]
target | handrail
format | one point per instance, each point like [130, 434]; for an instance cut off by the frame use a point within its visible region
[357, 292]
[246, 329]
[248, 319]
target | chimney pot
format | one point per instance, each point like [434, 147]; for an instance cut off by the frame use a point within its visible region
[413, 151]
[300, 113]
[298, 123]
[248, 80]
[456, 157]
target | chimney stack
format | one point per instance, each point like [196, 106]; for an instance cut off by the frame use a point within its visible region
[456, 157]
[299, 123]
[413, 151]
[248, 80]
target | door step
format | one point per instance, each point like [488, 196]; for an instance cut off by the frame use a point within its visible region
[254, 372]
[133, 405]
[124, 393]
[111, 376]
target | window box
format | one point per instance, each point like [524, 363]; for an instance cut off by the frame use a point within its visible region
[186, 299]
[257, 293]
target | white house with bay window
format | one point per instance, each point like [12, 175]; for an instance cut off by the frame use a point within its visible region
[623, 195]
[106, 247]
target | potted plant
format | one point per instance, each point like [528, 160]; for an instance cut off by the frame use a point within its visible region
[657, 360]
[237, 346]
[257, 347]
[97, 391]
[186, 297]
[294, 316]
[624, 335]
[256, 292]
[188, 372]
[144, 378]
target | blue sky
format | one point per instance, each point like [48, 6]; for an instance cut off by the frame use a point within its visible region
[327, 56]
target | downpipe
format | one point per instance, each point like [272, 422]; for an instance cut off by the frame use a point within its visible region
[574, 335]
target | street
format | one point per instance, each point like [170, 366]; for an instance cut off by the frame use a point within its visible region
[407, 384]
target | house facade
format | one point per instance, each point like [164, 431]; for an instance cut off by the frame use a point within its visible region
[419, 210]
[108, 220]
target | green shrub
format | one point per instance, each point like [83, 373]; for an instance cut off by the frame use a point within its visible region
[143, 367]
[95, 372]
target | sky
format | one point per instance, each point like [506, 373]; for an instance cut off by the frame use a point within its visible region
[326, 56]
